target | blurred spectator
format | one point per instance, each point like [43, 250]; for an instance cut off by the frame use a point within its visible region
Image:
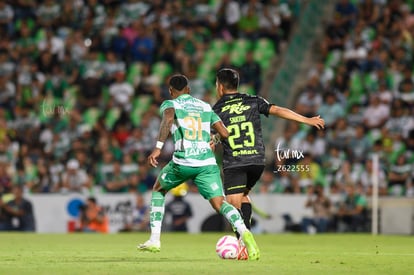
[406, 87]
[146, 178]
[48, 14]
[199, 86]
[313, 145]
[5, 179]
[326, 75]
[250, 73]
[7, 94]
[105, 167]
[75, 179]
[93, 217]
[6, 18]
[249, 21]
[359, 145]
[129, 167]
[341, 134]
[368, 11]
[321, 209]
[121, 92]
[344, 176]
[376, 114]
[18, 212]
[310, 99]
[179, 209]
[142, 48]
[116, 182]
[355, 115]
[310, 172]
[352, 212]
[332, 163]
[384, 93]
[335, 36]
[7, 66]
[139, 220]
[400, 176]
[148, 84]
[228, 16]
[400, 122]
[347, 12]
[277, 20]
[366, 179]
[113, 67]
[330, 110]
[43, 182]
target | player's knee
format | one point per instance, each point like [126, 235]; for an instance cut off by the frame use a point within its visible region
[234, 200]
[216, 203]
[157, 187]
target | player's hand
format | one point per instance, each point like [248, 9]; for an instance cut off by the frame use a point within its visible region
[152, 159]
[212, 146]
[317, 122]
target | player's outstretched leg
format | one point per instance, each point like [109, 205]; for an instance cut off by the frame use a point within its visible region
[156, 217]
[233, 216]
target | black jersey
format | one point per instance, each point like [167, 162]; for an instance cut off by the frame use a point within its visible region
[241, 115]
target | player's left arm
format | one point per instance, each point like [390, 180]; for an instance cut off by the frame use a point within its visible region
[165, 126]
[286, 113]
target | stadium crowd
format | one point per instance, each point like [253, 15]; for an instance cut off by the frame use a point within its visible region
[363, 87]
[81, 82]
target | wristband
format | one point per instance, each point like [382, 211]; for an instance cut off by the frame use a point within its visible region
[159, 145]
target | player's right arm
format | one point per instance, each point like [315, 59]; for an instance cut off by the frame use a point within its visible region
[286, 113]
[221, 130]
[165, 126]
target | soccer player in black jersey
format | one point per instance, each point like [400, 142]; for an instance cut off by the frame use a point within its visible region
[244, 151]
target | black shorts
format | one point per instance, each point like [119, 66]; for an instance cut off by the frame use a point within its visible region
[241, 179]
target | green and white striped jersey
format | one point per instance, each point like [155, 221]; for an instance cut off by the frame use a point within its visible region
[191, 130]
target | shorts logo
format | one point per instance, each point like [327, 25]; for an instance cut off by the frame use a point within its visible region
[214, 186]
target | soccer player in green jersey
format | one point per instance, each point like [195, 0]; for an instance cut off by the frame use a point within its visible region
[243, 150]
[189, 120]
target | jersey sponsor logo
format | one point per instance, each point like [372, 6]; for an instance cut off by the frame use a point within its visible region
[245, 152]
[237, 108]
[195, 151]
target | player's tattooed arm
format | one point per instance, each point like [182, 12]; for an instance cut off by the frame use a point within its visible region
[164, 131]
[166, 123]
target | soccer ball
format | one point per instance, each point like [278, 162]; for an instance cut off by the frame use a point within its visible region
[229, 247]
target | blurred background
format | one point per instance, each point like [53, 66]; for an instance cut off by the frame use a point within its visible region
[81, 83]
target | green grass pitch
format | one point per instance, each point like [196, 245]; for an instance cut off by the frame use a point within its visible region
[195, 254]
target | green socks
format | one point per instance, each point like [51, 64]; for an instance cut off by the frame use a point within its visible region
[233, 216]
[157, 214]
